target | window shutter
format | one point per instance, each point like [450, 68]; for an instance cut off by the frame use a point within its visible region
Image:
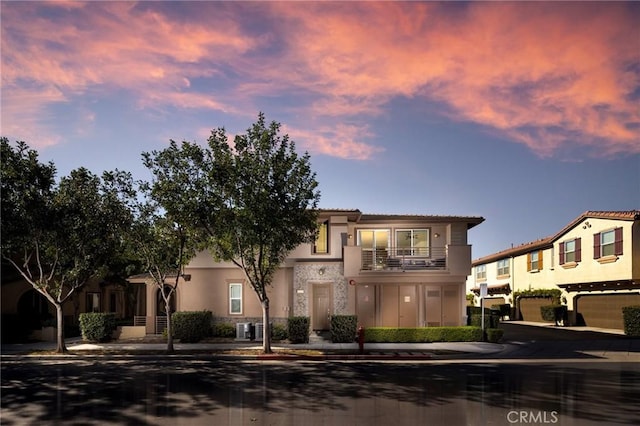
[528, 262]
[617, 247]
[578, 249]
[540, 260]
[562, 253]
[596, 246]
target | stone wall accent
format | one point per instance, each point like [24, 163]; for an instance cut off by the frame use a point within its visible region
[307, 274]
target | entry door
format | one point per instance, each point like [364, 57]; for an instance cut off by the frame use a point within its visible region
[407, 306]
[321, 306]
[366, 305]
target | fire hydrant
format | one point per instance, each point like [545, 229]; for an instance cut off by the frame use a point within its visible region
[361, 339]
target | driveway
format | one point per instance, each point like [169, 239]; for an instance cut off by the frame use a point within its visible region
[546, 341]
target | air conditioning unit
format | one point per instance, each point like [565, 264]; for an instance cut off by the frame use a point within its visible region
[240, 335]
[259, 330]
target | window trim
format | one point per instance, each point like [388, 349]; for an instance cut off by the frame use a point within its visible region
[577, 252]
[539, 261]
[481, 269]
[618, 243]
[507, 267]
[323, 227]
[231, 299]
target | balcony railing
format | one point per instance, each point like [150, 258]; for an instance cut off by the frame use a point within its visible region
[404, 259]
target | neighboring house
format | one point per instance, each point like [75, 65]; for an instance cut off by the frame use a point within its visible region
[594, 261]
[24, 310]
[389, 270]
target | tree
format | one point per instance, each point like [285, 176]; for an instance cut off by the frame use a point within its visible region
[252, 203]
[57, 237]
[162, 245]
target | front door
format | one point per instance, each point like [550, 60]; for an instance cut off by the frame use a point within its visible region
[321, 307]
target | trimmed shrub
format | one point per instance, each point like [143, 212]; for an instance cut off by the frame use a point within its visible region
[279, 332]
[491, 320]
[504, 309]
[191, 327]
[494, 335]
[343, 328]
[298, 329]
[631, 316]
[422, 334]
[554, 313]
[97, 326]
[223, 329]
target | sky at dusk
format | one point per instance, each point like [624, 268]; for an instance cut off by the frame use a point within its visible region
[527, 114]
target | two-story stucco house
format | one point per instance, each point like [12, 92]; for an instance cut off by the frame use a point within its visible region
[594, 260]
[389, 270]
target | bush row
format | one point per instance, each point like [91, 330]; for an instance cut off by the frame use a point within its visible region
[422, 334]
[191, 327]
[343, 328]
[97, 326]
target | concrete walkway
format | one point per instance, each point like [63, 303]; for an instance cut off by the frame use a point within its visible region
[601, 343]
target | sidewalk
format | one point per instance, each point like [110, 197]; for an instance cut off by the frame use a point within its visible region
[610, 344]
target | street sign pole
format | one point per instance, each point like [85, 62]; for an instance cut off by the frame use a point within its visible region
[483, 294]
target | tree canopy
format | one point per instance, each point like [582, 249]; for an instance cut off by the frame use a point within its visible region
[252, 203]
[57, 236]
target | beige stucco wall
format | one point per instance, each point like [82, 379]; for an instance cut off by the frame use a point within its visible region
[208, 289]
[589, 269]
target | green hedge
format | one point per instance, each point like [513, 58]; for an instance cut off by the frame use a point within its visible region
[490, 320]
[553, 293]
[422, 334]
[344, 328]
[279, 332]
[494, 335]
[97, 326]
[223, 329]
[191, 327]
[298, 329]
[631, 316]
[553, 313]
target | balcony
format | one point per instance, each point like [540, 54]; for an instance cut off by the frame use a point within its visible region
[404, 259]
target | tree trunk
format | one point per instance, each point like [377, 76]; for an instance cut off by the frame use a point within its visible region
[169, 331]
[60, 321]
[266, 330]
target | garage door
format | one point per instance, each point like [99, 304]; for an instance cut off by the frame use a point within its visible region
[604, 310]
[530, 308]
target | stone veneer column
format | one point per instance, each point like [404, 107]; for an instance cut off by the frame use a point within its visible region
[306, 274]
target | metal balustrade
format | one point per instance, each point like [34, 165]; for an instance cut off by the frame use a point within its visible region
[404, 259]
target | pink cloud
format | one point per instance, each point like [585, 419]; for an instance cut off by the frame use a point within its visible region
[342, 141]
[555, 77]
[546, 75]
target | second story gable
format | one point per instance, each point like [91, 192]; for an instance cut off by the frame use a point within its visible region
[595, 247]
[599, 246]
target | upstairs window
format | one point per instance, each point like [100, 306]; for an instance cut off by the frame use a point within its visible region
[321, 245]
[503, 267]
[607, 243]
[571, 251]
[534, 261]
[481, 272]
[412, 242]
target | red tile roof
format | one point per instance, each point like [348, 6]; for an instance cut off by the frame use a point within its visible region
[548, 241]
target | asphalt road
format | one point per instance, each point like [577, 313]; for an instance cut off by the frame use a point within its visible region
[562, 382]
[215, 392]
